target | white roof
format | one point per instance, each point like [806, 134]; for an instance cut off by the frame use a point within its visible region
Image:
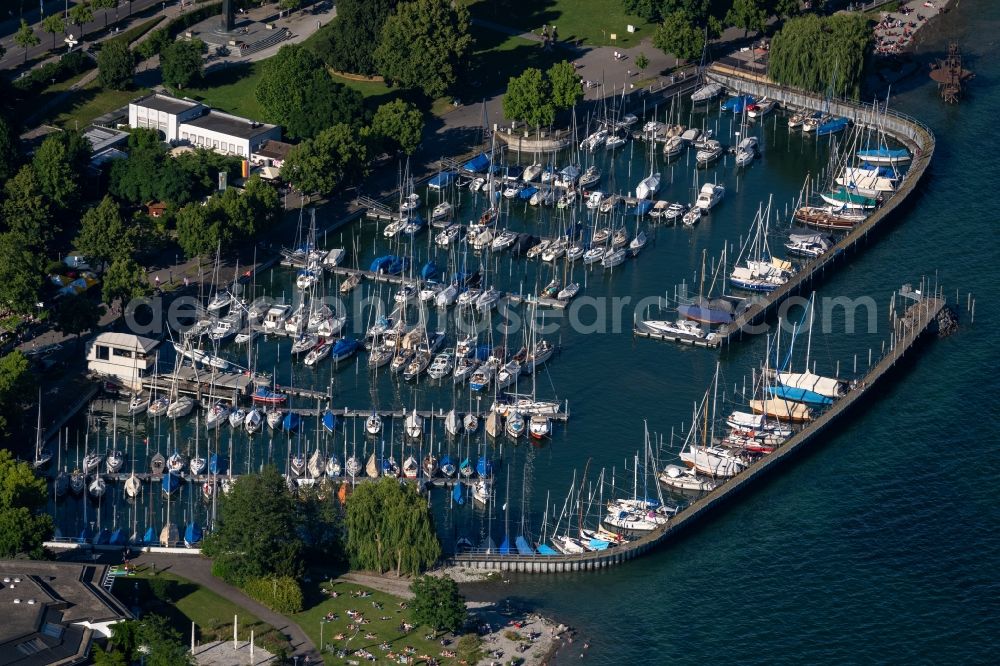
[126, 341]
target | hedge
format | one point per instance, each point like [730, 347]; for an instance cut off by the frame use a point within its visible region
[279, 593]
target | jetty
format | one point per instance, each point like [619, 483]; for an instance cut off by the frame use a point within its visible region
[915, 135]
[908, 331]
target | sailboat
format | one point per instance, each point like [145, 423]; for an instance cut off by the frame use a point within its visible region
[706, 457]
[42, 455]
[755, 269]
[373, 424]
[414, 424]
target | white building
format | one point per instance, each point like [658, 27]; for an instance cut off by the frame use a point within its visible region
[183, 121]
[230, 135]
[124, 356]
[163, 113]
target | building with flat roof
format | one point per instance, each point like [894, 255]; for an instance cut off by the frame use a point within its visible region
[53, 611]
[228, 134]
[184, 121]
[164, 113]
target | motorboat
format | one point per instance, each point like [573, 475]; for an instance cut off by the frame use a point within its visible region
[670, 328]
[761, 108]
[746, 151]
[515, 425]
[808, 245]
[709, 196]
[539, 426]
[442, 365]
[869, 181]
[274, 318]
[448, 235]
[568, 292]
[674, 211]
[441, 213]
[682, 478]
[842, 196]
[589, 177]
[504, 240]
[464, 369]
[709, 151]
[334, 257]
[761, 276]
[304, 343]
[594, 199]
[693, 216]
[532, 172]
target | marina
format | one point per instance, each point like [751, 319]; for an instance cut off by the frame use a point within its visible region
[468, 350]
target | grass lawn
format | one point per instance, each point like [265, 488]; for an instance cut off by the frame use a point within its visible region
[184, 602]
[85, 104]
[593, 21]
[496, 57]
[384, 630]
[230, 89]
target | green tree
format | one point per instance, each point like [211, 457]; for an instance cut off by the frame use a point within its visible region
[17, 388]
[255, 536]
[290, 5]
[8, 149]
[320, 165]
[821, 54]
[124, 280]
[151, 640]
[347, 43]
[116, 64]
[747, 14]
[679, 36]
[784, 8]
[27, 210]
[424, 45]
[76, 314]
[565, 85]
[81, 14]
[200, 229]
[641, 61]
[55, 25]
[437, 603]
[25, 37]
[59, 163]
[389, 527]
[320, 526]
[108, 658]
[104, 236]
[296, 91]
[529, 98]
[264, 203]
[22, 496]
[400, 123]
[22, 272]
[154, 44]
[182, 64]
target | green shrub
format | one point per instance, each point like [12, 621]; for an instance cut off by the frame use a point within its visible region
[59, 70]
[279, 593]
[160, 587]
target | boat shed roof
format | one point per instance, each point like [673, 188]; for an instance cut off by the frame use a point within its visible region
[126, 341]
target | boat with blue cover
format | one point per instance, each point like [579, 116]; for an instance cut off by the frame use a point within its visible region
[290, 422]
[797, 394]
[265, 395]
[885, 155]
[738, 103]
[344, 349]
[329, 420]
[832, 126]
[170, 483]
[192, 534]
[484, 467]
[217, 464]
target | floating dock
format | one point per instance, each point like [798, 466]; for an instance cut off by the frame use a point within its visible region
[909, 329]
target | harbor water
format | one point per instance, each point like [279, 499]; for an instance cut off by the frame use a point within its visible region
[878, 545]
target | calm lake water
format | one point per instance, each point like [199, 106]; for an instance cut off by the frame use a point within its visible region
[878, 546]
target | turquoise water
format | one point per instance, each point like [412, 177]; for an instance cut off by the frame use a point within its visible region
[879, 546]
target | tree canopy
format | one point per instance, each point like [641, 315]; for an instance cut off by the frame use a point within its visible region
[389, 527]
[8, 149]
[17, 388]
[679, 36]
[59, 164]
[320, 165]
[116, 64]
[565, 83]
[21, 273]
[104, 236]
[347, 43]
[228, 216]
[399, 124]
[256, 535]
[25, 37]
[151, 640]
[424, 45]
[76, 314]
[124, 280]
[825, 55]
[181, 63]
[296, 91]
[23, 524]
[437, 603]
[529, 98]
[55, 25]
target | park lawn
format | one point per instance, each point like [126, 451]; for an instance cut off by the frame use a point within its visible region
[230, 89]
[89, 102]
[385, 631]
[187, 602]
[593, 21]
[496, 57]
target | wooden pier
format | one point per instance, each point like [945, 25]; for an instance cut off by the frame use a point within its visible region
[915, 135]
[909, 329]
[203, 384]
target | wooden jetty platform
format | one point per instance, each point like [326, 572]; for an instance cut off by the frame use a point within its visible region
[910, 328]
[911, 132]
[436, 481]
[202, 384]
